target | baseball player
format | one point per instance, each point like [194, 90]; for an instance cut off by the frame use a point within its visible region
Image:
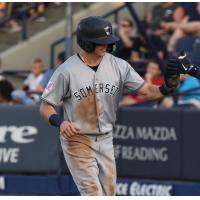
[89, 85]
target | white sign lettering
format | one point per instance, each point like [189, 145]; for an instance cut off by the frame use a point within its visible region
[19, 135]
[2, 183]
[155, 133]
[141, 153]
[137, 189]
[9, 155]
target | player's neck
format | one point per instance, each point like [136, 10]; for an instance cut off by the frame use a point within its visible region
[90, 59]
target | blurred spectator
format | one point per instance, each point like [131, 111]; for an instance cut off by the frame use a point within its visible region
[6, 89]
[47, 75]
[189, 82]
[13, 24]
[34, 78]
[6, 11]
[136, 48]
[191, 9]
[125, 44]
[192, 27]
[21, 97]
[161, 12]
[38, 12]
[28, 94]
[2, 10]
[179, 17]
[135, 56]
[141, 45]
[181, 26]
[152, 76]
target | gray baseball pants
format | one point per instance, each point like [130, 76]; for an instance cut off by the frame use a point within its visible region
[90, 159]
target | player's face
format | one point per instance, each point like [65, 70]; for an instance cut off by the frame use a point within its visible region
[100, 50]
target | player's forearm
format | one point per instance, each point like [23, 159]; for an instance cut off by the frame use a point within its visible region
[46, 110]
[154, 93]
[150, 92]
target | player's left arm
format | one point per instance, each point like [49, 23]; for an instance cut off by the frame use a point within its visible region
[151, 92]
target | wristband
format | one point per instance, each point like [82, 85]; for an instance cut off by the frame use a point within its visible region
[164, 91]
[56, 120]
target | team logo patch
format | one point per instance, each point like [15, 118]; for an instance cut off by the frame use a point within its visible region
[49, 87]
[108, 30]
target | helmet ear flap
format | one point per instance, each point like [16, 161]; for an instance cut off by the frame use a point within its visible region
[85, 45]
[89, 47]
[110, 48]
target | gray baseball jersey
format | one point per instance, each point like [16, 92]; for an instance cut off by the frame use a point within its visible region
[90, 99]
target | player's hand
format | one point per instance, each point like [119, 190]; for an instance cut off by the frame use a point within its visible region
[171, 76]
[176, 67]
[68, 129]
[182, 64]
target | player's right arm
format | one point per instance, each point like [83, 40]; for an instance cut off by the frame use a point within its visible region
[50, 115]
[56, 90]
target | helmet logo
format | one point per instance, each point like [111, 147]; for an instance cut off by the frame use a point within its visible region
[108, 30]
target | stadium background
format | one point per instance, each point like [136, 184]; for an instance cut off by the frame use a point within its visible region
[156, 143]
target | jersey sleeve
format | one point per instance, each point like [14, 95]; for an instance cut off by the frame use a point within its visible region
[132, 81]
[57, 88]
